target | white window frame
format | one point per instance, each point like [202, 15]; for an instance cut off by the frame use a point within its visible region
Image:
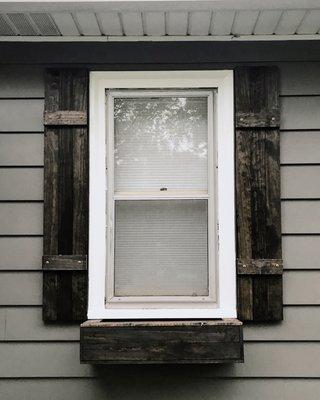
[223, 304]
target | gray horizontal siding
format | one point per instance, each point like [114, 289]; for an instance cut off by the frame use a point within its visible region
[25, 288]
[20, 253]
[300, 112]
[301, 252]
[21, 149]
[21, 183]
[300, 147]
[300, 182]
[61, 359]
[25, 324]
[21, 81]
[53, 351]
[300, 216]
[21, 218]
[161, 387]
[26, 218]
[21, 115]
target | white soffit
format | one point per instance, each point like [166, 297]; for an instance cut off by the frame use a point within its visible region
[159, 20]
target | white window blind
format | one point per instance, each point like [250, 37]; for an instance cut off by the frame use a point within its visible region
[161, 248]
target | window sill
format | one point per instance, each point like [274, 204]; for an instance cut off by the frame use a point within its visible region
[161, 342]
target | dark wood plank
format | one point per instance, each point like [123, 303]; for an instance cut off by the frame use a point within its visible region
[256, 97]
[258, 194]
[161, 342]
[259, 267]
[66, 194]
[70, 262]
[65, 118]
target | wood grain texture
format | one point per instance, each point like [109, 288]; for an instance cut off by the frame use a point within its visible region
[65, 263]
[57, 118]
[259, 267]
[256, 100]
[258, 190]
[158, 342]
[65, 192]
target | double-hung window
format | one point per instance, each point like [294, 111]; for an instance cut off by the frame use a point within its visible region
[162, 236]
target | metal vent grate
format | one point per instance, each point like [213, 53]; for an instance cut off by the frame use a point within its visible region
[45, 24]
[5, 28]
[23, 24]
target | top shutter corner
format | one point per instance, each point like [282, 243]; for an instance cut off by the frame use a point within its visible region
[257, 97]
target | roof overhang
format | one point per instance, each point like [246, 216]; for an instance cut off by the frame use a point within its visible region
[166, 20]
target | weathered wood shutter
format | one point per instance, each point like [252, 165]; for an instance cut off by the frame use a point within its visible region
[259, 264]
[65, 239]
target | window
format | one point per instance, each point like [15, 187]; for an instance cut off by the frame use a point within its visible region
[162, 234]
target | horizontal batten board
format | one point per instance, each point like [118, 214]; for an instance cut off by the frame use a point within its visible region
[300, 216]
[154, 389]
[25, 324]
[21, 288]
[18, 253]
[301, 252]
[300, 112]
[177, 23]
[87, 23]
[21, 81]
[300, 147]
[132, 23]
[299, 323]
[21, 149]
[310, 23]
[22, 115]
[301, 287]
[267, 22]
[110, 23]
[62, 360]
[24, 288]
[199, 23]
[244, 22]
[300, 182]
[21, 183]
[300, 78]
[65, 23]
[289, 22]
[21, 218]
[154, 23]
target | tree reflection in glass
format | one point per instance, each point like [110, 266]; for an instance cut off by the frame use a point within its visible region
[160, 142]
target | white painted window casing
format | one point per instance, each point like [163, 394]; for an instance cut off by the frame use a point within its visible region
[191, 213]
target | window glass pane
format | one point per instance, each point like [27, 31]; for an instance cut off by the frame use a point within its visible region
[160, 143]
[161, 248]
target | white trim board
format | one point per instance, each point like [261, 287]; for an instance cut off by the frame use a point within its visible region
[225, 306]
[210, 38]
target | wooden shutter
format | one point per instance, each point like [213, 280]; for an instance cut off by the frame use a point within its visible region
[65, 239]
[259, 264]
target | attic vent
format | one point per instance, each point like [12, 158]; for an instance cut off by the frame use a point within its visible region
[23, 24]
[5, 28]
[45, 24]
